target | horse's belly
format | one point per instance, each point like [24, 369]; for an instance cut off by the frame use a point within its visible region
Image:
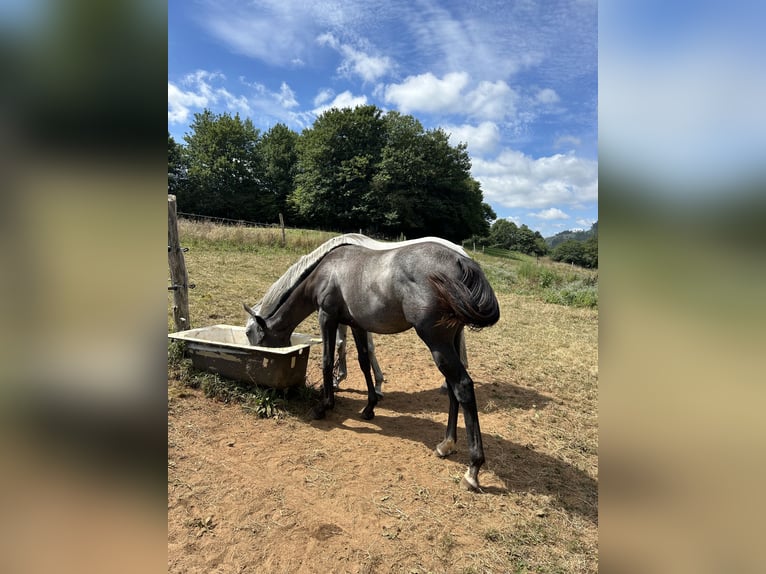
[383, 319]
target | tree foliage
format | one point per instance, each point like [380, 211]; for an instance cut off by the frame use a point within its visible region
[279, 156]
[352, 169]
[506, 235]
[225, 170]
[336, 162]
[582, 252]
[176, 165]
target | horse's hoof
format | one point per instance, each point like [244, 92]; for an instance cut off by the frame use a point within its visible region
[469, 483]
[468, 486]
[317, 414]
[368, 416]
[445, 448]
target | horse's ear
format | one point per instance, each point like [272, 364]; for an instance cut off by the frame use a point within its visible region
[250, 311]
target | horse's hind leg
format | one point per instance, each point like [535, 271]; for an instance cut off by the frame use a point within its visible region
[340, 372]
[375, 366]
[447, 358]
[460, 345]
[447, 446]
[361, 341]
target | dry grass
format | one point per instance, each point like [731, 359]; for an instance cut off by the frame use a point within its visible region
[371, 492]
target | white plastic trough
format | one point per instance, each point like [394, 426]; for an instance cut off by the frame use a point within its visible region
[224, 349]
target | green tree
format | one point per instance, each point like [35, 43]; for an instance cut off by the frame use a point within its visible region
[337, 158]
[590, 250]
[452, 200]
[397, 188]
[503, 234]
[571, 251]
[176, 165]
[279, 160]
[225, 173]
[360, 169]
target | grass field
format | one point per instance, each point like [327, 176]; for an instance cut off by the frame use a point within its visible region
[536, 380]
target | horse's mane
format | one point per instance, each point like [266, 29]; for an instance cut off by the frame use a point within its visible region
[282, 287]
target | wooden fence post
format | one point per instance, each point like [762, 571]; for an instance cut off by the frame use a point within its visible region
[282, 225]
[179, 279]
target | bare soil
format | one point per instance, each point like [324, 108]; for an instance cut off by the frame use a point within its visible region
[291, 494]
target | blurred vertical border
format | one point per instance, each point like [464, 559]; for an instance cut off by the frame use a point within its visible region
[682, 201]
[82, 226]
[82, 286]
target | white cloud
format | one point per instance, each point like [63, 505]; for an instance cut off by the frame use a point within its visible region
[287, 96]
[566, 141]
[427, 93]
[550, 213]
[547, 96]
[491, 100]
[201, 93]
[516, 180]
[356, 62]
[481, 139]
[586, 223]
[181, 102]
[343, 100]
[323, 95]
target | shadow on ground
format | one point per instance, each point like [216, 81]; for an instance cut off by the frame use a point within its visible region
[521, 468]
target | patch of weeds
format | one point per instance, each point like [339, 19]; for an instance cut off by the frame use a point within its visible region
[201, 526]
[305, 393]
[575, 294]
[501, 278]
[263, 402]
[538, 276]
[447, 543]
[266, 403]
[176, 351]
[494, 535]
[179, 366]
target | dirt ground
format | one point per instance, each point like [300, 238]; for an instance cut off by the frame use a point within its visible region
[346, 495]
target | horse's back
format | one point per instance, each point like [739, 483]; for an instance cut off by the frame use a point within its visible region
[387, 291]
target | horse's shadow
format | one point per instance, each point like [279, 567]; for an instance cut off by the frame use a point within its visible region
[503, 395]
[519, 467]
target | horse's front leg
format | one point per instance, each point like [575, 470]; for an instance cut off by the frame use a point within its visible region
[328, 327]
[361, 341]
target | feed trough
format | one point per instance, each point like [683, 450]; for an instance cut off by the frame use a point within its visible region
[224, 349]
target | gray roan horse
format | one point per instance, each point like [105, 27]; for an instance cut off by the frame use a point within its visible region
[426, 286]
[340, 372]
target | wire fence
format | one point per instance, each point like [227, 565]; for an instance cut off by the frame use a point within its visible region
[226, 220]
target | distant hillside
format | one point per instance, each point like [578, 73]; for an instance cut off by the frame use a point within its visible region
[563, 236]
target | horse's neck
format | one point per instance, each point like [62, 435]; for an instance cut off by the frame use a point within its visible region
[291, 312]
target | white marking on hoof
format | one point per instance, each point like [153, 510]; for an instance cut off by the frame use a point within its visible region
[445, 448]
[469, 483]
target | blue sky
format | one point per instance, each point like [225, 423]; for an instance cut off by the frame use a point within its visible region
[517, 81]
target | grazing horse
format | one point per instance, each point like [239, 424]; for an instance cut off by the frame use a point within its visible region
[340, 370]
[426, 286]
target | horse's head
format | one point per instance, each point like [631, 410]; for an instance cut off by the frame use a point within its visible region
[258, 333]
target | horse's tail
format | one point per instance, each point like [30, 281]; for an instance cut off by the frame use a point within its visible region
[469, 300]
